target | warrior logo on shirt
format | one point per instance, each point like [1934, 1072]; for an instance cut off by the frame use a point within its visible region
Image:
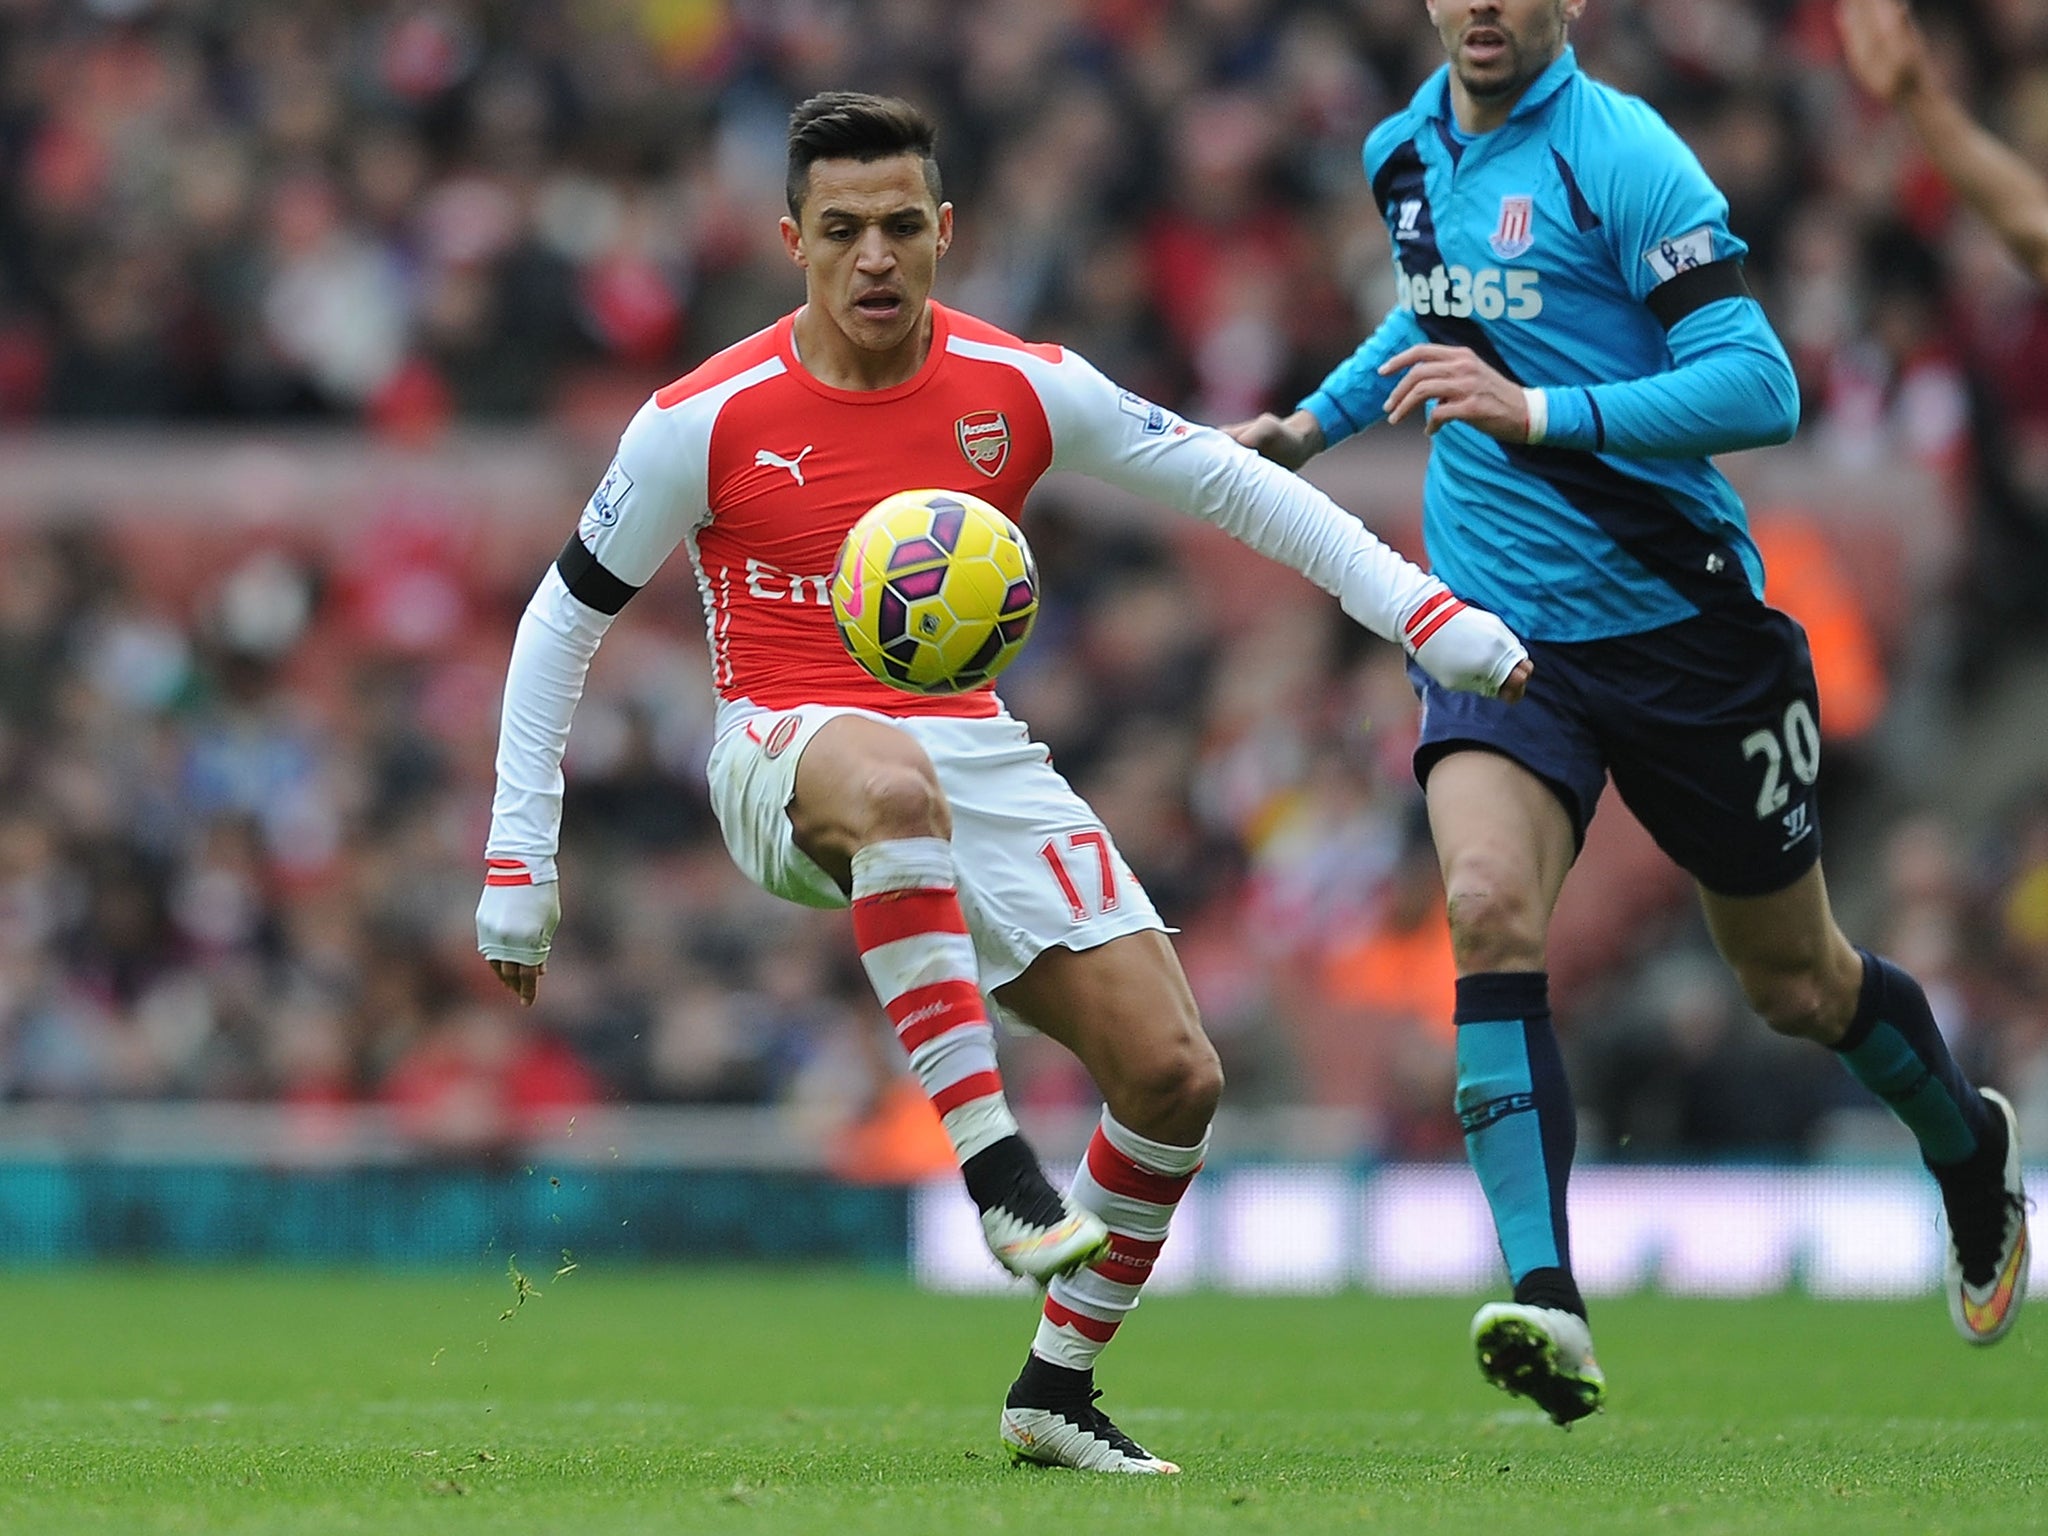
[1517, 231]
[985, 440]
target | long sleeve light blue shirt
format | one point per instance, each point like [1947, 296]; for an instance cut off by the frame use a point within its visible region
[1581, 250]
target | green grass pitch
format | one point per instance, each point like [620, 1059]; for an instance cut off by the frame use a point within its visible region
[722, 1401]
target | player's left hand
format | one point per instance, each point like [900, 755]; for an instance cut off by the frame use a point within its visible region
[1463, 389]
[515, 928]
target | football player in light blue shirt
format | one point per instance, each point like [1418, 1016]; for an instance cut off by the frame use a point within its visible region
[1574, 327]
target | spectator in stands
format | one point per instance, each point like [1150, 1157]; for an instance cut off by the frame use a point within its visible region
[1388, 985]
[483, 1081]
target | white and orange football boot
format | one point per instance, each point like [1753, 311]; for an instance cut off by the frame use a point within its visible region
[1078, 1435]
[1986, 1273]
[1043, 1237]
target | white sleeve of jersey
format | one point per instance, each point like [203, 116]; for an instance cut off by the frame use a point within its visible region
[650, 496]
[1125, 440]
[550, 657]
[653, 492]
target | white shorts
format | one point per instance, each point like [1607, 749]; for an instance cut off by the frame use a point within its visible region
[1035, 866]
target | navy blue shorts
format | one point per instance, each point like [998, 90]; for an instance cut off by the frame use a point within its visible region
[1710, 727]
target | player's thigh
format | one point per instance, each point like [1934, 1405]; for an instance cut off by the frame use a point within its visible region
[1511, 789]
[1067, 939]
[859, 779]
[1713, 736]
[753, 773]
[1497, 826]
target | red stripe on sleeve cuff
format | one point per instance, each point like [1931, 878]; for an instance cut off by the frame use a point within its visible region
[1428, 606]
[1437, 623]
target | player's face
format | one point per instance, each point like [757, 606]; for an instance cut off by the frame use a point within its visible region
[869, 243]
[1496, 47]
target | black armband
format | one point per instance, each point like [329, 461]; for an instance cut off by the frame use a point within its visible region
[1695, 288]
[588, 582]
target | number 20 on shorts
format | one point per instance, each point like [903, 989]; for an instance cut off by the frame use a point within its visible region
[1801, 746]
[1080, 844]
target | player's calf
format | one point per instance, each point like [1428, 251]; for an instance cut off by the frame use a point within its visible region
[1134, 1184]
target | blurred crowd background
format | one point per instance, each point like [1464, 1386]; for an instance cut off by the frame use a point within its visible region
[244, 779]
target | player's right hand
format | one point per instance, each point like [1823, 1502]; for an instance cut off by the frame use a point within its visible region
[1290, 443]
[1465, 648]
[515, 928]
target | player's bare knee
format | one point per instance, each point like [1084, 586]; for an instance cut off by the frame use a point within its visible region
[1201, 1088]
[903, 799]
[1792, 1003]
[1173, 1096]
[1494, 927]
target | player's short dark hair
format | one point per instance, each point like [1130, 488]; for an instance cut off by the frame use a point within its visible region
[852, 125]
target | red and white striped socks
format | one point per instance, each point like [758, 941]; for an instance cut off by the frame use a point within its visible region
[914, 945]
[1133, 1184]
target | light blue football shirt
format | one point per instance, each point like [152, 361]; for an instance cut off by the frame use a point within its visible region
[1579, 248]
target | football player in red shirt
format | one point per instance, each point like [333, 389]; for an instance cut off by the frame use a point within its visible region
[971, 867]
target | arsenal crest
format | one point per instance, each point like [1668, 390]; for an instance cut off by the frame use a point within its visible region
[985, 439]
[783, 733]
[1517, 231]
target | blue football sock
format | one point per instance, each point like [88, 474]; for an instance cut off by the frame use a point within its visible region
[1520, 1128]
[1895, 1049]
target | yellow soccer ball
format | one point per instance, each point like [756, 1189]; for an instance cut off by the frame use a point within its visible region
[935, 591]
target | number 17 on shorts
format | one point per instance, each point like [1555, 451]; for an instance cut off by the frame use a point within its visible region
[1085, 870]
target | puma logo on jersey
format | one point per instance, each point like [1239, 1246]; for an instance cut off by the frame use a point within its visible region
[767, 458]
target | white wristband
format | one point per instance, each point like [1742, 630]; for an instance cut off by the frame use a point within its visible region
[1537, 404]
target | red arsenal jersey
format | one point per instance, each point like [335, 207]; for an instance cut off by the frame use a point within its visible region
[760, 470]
